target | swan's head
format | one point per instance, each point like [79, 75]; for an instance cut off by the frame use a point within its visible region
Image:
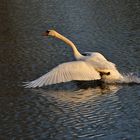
[50, 33]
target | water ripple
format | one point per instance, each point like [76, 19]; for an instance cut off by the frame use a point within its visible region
[68, 112]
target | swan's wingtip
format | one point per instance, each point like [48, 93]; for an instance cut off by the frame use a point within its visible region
[27, 85]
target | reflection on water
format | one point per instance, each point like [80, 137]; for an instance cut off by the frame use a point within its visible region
[87, 113]
[67, 111]
[78, 96]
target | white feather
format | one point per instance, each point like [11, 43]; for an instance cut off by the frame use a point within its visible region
[76, 70]
[84, 69]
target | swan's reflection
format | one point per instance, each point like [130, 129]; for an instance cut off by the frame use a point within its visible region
[80, 95]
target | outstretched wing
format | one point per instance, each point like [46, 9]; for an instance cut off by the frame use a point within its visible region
[76, 70]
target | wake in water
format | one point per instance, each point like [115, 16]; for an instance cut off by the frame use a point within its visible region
[130, 78]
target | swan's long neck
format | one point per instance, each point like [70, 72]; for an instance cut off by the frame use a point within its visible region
[77, 54]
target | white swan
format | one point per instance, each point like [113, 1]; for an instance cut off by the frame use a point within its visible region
[93, 66]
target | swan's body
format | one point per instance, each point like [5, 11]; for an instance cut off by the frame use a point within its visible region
[94, 66]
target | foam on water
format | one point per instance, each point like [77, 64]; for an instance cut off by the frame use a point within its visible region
[130, 78]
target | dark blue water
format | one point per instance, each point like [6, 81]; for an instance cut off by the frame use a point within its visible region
[67, 111]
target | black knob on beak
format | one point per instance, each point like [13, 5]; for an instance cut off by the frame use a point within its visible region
[46, 33]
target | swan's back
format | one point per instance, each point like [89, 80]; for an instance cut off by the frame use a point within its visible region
[101, 64]
[98, 56]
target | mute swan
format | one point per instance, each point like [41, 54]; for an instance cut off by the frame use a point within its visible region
[93, 66]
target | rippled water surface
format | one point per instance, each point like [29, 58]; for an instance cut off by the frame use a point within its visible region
[68, 111]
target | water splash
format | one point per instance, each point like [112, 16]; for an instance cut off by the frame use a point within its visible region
[130, 78]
